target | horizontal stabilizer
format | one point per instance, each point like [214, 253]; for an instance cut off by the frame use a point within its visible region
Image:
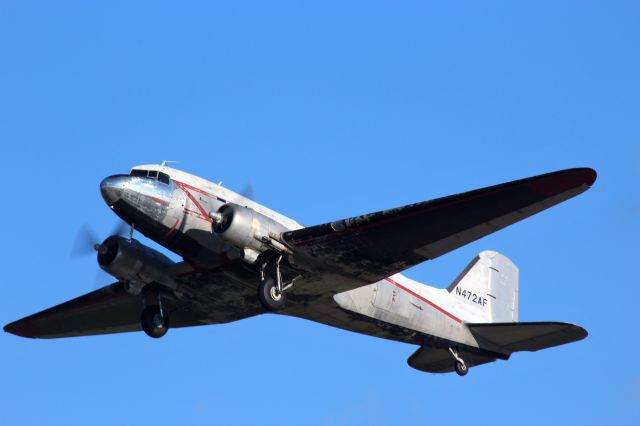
[528, 336]
[509, 337]
[438, 360]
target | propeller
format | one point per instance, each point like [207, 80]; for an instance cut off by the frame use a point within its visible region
[87, 242]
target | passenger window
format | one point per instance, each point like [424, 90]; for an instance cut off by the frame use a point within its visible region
[163, 177]
[153, 174]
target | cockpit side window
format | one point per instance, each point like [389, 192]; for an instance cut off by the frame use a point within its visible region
[153, 174]
[163, 177]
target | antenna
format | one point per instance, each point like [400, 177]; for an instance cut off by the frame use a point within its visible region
[165, 162]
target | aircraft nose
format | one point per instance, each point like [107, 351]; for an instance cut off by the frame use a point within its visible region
[111, 189]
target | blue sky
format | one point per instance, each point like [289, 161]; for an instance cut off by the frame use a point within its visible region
[329, 109]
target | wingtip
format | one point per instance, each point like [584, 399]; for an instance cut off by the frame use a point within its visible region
[579, 332]
[588, 175]
[22, 329]
[579, 176]
[582, 332]
[559, 182]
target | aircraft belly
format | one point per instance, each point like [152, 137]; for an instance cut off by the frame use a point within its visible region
[223, 294]
[364, 310]
[388, 304]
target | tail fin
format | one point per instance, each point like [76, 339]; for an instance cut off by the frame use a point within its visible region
[487, 290]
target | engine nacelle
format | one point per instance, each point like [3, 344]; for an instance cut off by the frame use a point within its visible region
[133, 263]
[247, 230]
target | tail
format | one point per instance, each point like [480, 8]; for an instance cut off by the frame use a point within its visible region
[487, 290]
[485, 295]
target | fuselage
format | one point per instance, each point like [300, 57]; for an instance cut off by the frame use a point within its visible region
[173, 208]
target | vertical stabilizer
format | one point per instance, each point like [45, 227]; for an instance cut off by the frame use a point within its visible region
[487, 290]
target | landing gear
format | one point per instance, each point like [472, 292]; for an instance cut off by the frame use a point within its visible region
[154, 320]
[272, 290]
[460, 366]
[271, 297]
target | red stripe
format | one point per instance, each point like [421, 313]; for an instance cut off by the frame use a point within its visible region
[203, 214]
[413, 293]
[173, 228]
[157, 200]
[195, 214]
[193, 188]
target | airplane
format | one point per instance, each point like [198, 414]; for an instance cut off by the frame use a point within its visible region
[241, 259]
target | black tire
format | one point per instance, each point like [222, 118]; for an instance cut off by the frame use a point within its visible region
[153, 322]
[267, 293]
[461, 369]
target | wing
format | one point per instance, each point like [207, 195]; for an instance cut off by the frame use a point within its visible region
[212, 298]
[110, 309]
[374, 246]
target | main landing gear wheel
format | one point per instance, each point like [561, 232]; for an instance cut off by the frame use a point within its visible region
[271, 298]
[461, 368]
[154, 322]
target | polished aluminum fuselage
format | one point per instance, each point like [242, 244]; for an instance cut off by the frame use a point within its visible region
[176, 216]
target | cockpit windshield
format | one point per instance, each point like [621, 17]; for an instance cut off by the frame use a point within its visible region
[153, 174]
[136, 172]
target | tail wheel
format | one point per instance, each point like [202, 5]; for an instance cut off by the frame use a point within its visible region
[154, 322]
[461, 368]
[271, 298]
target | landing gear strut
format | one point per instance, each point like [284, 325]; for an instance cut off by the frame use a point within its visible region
[271, 290]
[155, 320]
[460, 366]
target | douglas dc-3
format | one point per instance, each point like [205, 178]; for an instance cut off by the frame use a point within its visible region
[242, 259]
